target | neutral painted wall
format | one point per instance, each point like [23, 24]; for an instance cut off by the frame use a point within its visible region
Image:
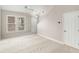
[34, 24]
[28, 24]
[48, 24]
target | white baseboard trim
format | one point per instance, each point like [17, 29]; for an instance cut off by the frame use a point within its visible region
[50, 38]
[57, 41]
[68, 44]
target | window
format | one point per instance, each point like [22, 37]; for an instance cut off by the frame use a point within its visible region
[11, 23]
[20, 23]
[15, 24]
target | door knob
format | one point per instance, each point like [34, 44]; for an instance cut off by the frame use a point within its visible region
[78, 30]
[65, 31]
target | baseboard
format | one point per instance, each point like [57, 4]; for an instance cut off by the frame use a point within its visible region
[57, 41]
[50, 38]
[68, 44]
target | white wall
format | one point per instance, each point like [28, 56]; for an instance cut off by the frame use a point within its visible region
[14, 34]
[34, 24]
[48, 24]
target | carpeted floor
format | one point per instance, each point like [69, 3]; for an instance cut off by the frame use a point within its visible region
[33, 44]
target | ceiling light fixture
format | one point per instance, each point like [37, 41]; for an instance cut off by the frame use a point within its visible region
[29, 8]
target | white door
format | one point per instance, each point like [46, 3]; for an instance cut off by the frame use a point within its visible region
[76, 29]
[0, 23]
[71, 28]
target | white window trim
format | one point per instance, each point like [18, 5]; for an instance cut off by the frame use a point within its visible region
[24, 24]
[16, 30]
[7, 24]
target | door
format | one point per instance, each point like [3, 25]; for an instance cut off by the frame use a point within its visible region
[71, 28]
[0, 23]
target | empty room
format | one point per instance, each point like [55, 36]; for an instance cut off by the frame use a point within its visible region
[39, 28]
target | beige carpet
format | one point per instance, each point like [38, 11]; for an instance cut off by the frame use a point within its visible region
[33, 44]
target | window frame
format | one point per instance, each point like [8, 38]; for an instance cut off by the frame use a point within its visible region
[24, 24]
[8, 23]
[16, 24]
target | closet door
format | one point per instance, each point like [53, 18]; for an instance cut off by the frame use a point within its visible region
[67, 28]
[0, 23]
[76, 30]
[71, 29]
